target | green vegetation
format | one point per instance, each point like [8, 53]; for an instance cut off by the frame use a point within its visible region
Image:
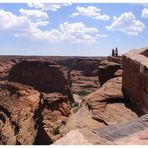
[74, 105]
[83, 93]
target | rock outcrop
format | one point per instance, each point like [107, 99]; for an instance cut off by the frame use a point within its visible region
[54, 115]
[135, 78]
[102, 103]
[43, 85]
[107, 70]
[18, 107]
[126, 133]
[30, 117]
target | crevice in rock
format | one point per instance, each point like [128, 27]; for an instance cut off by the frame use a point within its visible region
[100, 120]
[6, 112]
[41, 137]
[2, 118]
[15, 127]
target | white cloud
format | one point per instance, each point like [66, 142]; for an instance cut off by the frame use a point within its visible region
[47, 6]
[127, 23]
[72, 32]
[144, 13]
[77, 32]
[24, 26]
[91, 12]
[33, 14]
[11, 22]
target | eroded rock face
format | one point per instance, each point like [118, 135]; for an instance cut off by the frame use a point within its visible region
[54, 115]
[43, 76]
[100, 103]
[30, 117]
[135, 78]
[107, 70]
[18, 106]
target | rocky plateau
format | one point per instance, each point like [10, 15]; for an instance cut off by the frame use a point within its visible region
[74, 100]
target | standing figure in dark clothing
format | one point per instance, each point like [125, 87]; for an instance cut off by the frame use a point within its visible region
[116, 52]
[113, 52]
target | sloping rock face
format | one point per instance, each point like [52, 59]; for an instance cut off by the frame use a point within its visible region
[102, 103]
[107, 70]
[43, 76]
[126, 133]
[135, 78]
[18, 106]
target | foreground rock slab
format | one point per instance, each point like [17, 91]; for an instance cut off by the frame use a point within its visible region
[126, 133]
[74, 137]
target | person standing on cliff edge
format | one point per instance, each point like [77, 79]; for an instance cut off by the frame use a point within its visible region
[113, 52]
[116, 52]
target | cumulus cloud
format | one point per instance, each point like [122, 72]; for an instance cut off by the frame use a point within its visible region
[127, 23]
[77, 32]
[11, 22]
[33, 14]
[26, 26]
[48, 6]
[72, 32]
[144, 13]
[91, 12]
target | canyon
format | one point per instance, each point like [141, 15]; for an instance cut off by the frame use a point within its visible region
[74, 100]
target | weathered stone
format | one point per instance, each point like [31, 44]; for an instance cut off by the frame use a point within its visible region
[135, 78]
[106, 70]
[18, 106]
[122, 130]
[73, 137]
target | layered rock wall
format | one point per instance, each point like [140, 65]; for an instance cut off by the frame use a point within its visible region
[43, 76]
[135, 77]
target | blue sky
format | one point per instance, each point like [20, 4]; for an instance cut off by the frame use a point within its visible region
[79, 29]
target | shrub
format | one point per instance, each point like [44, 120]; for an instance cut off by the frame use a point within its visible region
[83, 93]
